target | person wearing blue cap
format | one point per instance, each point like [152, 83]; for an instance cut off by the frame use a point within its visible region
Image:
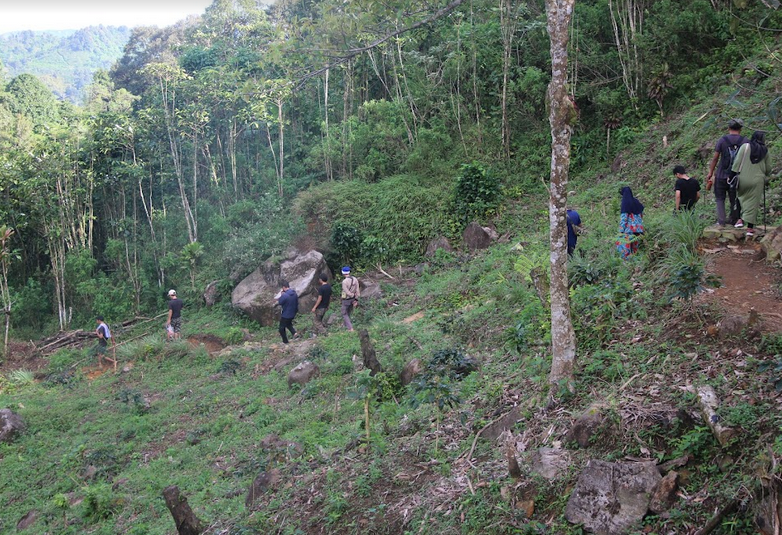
[351, 291]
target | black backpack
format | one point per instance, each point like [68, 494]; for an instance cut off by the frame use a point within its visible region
[729, 156]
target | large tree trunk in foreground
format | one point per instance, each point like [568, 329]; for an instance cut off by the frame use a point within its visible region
[561, 117]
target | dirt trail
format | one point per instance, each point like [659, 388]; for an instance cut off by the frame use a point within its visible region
[748, 281]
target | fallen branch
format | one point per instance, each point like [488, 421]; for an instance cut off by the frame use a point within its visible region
[716, 520]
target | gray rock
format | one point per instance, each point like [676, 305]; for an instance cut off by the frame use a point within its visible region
[585, 426]
[410, 371]
[476, 237]
[550, 462]
[11, 424]
[501, 425]
[210, 293]
[370, 289]
[610, 498]
[263, 482]
[256, 295]
[437, 244]
[303, 373]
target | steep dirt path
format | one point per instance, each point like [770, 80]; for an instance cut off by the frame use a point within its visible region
[748, 281]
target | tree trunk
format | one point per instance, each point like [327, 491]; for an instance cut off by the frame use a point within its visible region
[327, 159]
[368, 353]
[561, 116]
[187, 523]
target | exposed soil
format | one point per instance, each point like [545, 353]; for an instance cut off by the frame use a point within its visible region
[748, 281]
[22, 355]
[212, 343]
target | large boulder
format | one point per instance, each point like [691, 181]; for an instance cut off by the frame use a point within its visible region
[610, 498]
[11, 424]
[257, 294]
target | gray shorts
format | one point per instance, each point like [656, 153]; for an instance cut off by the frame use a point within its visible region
[176, 324]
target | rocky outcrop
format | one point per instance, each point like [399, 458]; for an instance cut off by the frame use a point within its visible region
[610, 498]
[256, 295]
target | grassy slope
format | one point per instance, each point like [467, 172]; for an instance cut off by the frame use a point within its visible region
[208, 417]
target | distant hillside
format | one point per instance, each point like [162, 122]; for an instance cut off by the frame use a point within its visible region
[64, 60]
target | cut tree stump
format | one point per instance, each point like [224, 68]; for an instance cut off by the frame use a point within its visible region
[187, 523]
[368, 353]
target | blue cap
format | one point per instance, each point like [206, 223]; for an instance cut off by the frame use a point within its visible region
[345, 270]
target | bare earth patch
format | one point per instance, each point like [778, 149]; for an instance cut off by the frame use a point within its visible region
[748, 281]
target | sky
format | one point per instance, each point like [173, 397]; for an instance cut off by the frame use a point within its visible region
[20, 15]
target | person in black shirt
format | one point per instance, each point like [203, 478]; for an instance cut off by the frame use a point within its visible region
[322, 304]
[688, 190]
[174, 322]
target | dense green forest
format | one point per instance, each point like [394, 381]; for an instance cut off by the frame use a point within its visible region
[186, 162]
[366, 130]
[63, 61]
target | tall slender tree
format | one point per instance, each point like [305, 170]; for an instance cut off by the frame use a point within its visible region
[562, 115]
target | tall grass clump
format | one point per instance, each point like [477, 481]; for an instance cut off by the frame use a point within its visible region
[153, 346]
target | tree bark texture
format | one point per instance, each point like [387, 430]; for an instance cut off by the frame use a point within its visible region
[187, 523]
[561, 116]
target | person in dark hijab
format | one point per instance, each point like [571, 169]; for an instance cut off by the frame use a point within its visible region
[631, 225]
[753, 165]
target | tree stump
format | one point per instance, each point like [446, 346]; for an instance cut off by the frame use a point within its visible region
[187, 523]
[368, 353]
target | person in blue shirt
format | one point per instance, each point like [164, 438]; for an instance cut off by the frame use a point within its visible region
[289, 302]
[573, 228]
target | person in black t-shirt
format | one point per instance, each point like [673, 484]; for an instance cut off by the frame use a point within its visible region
[174, 322]
[688, 190]
[322, 304]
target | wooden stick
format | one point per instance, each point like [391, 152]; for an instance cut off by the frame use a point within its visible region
[716, 520]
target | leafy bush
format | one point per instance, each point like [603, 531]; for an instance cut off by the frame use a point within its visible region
[234, 336]
[100, 502]
[346, 241]
[477, 194]
[685, 274]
